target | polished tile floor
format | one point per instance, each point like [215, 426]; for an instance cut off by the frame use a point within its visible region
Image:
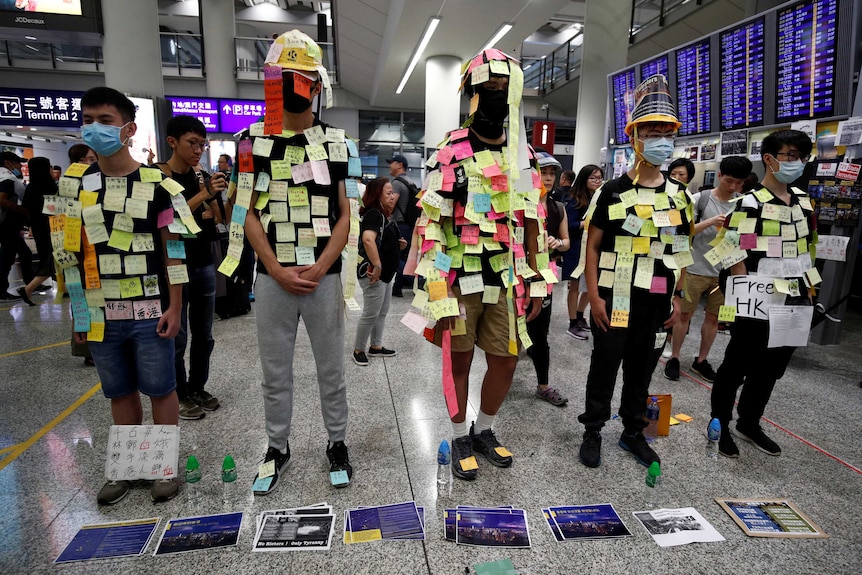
[49, 480]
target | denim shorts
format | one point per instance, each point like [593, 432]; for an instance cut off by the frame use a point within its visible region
[133, 358]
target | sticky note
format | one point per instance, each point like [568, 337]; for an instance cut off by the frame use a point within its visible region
[281, 170]
[503, 452]
[261, 484]
[726, 313]
[151, 174]
[266, 469]
[178, 274]
[338, 478]
[176, 249]
[130, 287]
[616, 212]
[491, 295]
[172, 186]
[121, 240]
[469, 463]
[683, 417]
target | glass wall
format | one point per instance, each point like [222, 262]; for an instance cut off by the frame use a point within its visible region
[384, 134]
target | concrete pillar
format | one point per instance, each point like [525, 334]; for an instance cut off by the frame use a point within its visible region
[219, 28]
[133, 59]
[442, 99]
[605, 49]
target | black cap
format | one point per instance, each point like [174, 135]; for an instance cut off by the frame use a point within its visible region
[397, 158]
[10, 157]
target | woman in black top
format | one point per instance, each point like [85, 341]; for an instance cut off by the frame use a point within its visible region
[41, 184]
[380, 249]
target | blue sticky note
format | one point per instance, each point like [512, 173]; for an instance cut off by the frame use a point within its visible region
[176, 249]
[352, 188]
[82, 320]
[261, 484]
[442, 262]
[482, 203]
[354, 167]
[338, 478]
[351, 148]
[238, 215]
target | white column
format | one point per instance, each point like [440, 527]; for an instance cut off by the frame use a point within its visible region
[442, 99]
[605, 48]
[133, 59]
[219, 29]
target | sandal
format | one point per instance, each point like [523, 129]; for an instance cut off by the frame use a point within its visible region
[552, 396]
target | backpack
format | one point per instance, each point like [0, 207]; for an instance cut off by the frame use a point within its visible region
[413, 211]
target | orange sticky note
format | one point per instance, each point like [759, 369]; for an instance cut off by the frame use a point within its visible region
[301, 86]
[437, 290]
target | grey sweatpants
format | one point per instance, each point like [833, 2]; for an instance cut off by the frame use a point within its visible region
[278, 313]
[376, 298]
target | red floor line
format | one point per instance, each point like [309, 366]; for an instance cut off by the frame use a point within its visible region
[785, 430]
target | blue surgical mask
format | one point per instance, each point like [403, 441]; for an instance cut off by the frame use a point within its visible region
[657, 150]
[16, 172]
[789, 172]
[103, 139]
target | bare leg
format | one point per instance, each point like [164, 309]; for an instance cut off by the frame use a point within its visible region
[497, 381]
[127, 410]
[583, 302]
[572, 299]
[37, 281]
[166, 410]
[707, 335]
[679, 331]
[461, 362]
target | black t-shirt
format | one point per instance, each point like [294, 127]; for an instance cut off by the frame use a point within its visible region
[553, 219]
[387, 247]
[198, 252]
[290, 228]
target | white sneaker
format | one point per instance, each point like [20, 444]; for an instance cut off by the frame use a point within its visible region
[666, 353]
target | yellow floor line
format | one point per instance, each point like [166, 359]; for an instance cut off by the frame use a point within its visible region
[49, 346]
[8, 449]
[22, 447]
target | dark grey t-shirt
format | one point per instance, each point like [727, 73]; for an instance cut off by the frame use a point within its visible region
[403, 192]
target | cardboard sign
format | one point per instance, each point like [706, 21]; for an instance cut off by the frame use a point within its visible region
[142, 452]
[752, 296]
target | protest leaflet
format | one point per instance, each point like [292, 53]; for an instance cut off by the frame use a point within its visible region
[107, 540]
[579, 522]
[401, 521]
[487, 526]
[296, 529]
[770, 518]
[205, 532]
[671, 527]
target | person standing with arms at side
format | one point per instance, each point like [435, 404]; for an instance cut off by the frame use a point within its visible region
[41, 184]
[701, 277]
[749, 361]
[401, 185]
[589, 179]
[12, 218]
[381, 246]
[186, 136]
[638, 245]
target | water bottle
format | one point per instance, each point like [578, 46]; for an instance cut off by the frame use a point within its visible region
[229, 483]
[193, 480]
[444, 459]
[652, 411]
[652, 483]
[713, 434]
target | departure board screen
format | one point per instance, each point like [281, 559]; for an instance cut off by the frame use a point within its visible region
[693, 88]
[624, 90]
[807, 53]
[653, 67]
[742, 64]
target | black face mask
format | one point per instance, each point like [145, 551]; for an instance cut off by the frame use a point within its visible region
[293, 102]
[492, 110]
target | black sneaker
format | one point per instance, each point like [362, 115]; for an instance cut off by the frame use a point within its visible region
[382, 352]
[671, 369]
[591, 449]
[486, 443]
[205, 400]
[359, 358]
[703, 369]
[756, 436]
[264, 487]
[726, 445]
[462, 448]
[339, 460]
[637, 444]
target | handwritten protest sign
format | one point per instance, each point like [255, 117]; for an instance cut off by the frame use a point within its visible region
[142, 452]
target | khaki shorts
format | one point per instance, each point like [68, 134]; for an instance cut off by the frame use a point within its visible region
[695, 287]
[487, 325]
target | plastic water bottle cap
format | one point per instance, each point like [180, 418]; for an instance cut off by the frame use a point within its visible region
[228, 463]
[192, 463]
[654, 469]
[444, 447]
[653, 398]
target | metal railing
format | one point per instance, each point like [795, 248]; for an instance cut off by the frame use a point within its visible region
[41, 55]
[182, 54]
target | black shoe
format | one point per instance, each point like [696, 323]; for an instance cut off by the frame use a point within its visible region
[339, 460]
[726, 446]
[591, 449]
[281, 460]
[671, 369]
[206, 400]
[637, 444]
[397, 293]
[43, 288]
[756, 436]
[462, 448]
[382, 352]
[6, 296]
[703, 369]
[359, 358]
[22, 293]
[486, 443]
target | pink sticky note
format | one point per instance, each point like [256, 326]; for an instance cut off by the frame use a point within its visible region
[659, 285]
[502, 234]
[537, 181]
[773, 248]
[470, 235]
[500, 183]
[492, 215]
[747, 241]
[492, 171]
[448, 173]
[459, 134]
[463, 149]
[540, 210]
[520, 290]
[427, 245]
[520, 303]
[553, 267]
[444, 155]
[518, 249]
[448, 378]
[165, 218]
[453, 275]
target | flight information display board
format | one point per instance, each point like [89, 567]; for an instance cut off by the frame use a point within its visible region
[693, 88]
[742, 69]
[653, 67]
[624, 89]
[807, 54]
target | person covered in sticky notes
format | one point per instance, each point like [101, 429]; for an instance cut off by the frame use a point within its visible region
[638, 245]
[288, 190]
[771, 233]
[478, 250]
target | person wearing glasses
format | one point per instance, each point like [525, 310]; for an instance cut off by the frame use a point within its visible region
[187, 140]
[638, 244]
[749, 360]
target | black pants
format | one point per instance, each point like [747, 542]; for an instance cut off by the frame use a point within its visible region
[634, 347]
[749, 364]
[407, 233]
[11, 243]
[538, 332]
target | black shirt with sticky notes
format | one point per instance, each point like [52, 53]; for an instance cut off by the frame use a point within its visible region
[609, 196]
[297, 223]
[198, 247]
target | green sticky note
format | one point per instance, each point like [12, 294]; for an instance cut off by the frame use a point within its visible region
[472, 264]
[499, 262]
[727, 313]
[542, 260]
[736, 218]
[623, 244]
[648, 229]
[771, 228]
[121, 240]
[280, 169]
[294, 154]
[616, 212]
[802, 246]
[151, 175]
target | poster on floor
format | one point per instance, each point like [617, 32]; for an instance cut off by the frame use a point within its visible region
[195, 533]
[671, 527]
[385, 522]
[449, 516]
[579, 522]
[348, 531]
[770, 518]
[492, 528]
[295, 532]
[107, 540]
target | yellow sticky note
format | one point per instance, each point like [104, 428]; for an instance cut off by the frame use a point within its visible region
[674, 421]
[97, 332]
[88, 199]
[683, 417]
[72, 235]
[619, 318]
[297, 196]
[763, 195]
[130, 287]
[640, 245]
[727, 313]
[437, 290]
[812, 277]
[121, 240]
[172, 186]
[178, 274]
[469, 463]
[643, 212]
[503, 452]
[76, 170]
[151, 175]
[616, 212]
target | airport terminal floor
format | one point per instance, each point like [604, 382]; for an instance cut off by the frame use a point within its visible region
[54, 426]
